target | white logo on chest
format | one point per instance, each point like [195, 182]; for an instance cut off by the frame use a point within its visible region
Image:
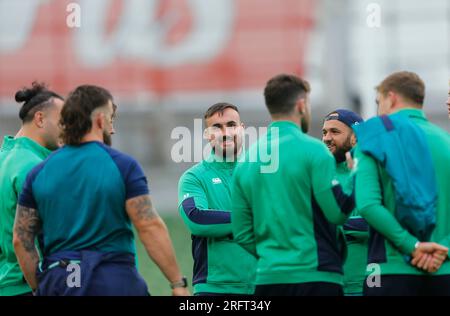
[216, 180]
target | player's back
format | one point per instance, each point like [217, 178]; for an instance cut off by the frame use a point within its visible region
[292, 234]
[80, 194]
[439, 144]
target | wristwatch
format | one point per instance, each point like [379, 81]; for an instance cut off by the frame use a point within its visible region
[182, 283]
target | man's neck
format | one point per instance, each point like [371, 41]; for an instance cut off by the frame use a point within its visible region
[92, 137]
[19, 133]
[31, 133]
[290, 118]
[225, 159]
[405, 106]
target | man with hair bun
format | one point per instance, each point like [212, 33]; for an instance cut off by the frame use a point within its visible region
[38, 136]
[83, 200]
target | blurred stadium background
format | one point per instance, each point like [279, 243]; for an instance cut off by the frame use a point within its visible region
[166, 61]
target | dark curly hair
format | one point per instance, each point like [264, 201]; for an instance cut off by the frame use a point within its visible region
[35, 99]
[282, 91]
[76, 112]
[219, 108]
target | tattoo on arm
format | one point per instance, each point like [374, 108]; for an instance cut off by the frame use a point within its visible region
[27, 226]
[142, 207]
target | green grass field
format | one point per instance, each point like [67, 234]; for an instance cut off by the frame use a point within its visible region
[181, 238]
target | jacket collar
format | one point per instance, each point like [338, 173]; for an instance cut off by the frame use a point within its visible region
[28, 143]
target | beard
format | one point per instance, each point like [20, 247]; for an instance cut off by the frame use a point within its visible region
[228, 154]
[54, 145]
[107, 138]
[304, 124]
[339, 153]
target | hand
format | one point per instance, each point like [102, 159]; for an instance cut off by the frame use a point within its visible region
[349, 159]
[180, 291]
[429, 256]
[436, 261]
[429, 263]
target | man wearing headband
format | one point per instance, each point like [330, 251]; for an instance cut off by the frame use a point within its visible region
[337, 132]
[338, 135]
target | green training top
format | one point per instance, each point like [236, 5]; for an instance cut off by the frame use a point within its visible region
[375, 200]
[23, 155]
[356, 233]
[284, 199]
[220, 265]
[8, 143]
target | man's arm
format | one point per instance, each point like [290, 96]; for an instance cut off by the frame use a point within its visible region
[242, 219]
[370, 205]
[194, 211]
[26, 226]
[154, 235]
[356, 228]
[328, 193]
[445, 242]
[426, 255]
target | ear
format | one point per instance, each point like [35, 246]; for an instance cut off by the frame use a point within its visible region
[99, 121]
[207, 134]
[301, 106]
[353, 140]
[240, 130]
[393, 97]
[38, 119]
